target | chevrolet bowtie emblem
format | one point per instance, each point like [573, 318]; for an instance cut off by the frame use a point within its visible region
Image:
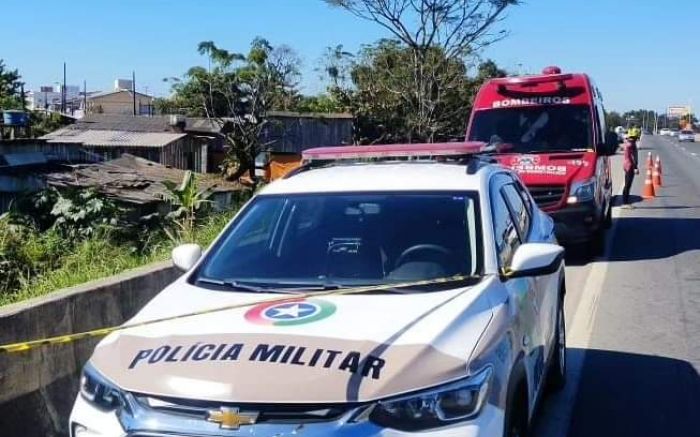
[231, 418]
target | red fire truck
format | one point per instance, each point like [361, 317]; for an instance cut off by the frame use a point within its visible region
[550, 128]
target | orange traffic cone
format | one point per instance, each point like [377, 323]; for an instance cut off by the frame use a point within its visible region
[650, 161]
[656, 174]
[648, 192]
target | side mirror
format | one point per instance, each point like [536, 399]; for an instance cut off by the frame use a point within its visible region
[186, 256]
[609, 148]
[535, 259]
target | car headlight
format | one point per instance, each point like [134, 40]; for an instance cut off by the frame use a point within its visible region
[98, 391]
[582, 191]
[440, 406]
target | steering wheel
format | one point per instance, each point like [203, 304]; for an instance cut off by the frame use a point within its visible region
[421, 248]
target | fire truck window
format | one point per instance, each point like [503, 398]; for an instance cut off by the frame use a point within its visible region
[534, 128]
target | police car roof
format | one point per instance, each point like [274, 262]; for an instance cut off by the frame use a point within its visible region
[385, 176]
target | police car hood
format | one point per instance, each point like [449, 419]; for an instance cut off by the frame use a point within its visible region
[550, 168]
[335, 348]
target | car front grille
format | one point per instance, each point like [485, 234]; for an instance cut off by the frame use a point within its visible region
[547, 195]
[267, 413]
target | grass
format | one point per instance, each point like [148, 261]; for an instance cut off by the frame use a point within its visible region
[98, 258]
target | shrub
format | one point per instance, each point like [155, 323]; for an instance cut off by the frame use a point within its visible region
[88, 240]
[25, 253]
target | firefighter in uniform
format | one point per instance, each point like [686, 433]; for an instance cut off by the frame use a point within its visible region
[630, 163]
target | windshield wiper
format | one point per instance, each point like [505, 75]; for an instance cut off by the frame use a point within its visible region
[313, 287]
[244, 286]
[296, 288]
[407, 288]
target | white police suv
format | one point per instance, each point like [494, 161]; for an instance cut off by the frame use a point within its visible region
[376, 291]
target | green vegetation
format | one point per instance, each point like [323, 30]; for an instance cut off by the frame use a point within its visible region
[54, 240]
[10, 88]
[91, 259]
[415, 86]
[236, 92]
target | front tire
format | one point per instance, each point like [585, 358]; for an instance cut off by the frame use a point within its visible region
[596, 245]
[557, 368]
[607, 223]
[516, 421]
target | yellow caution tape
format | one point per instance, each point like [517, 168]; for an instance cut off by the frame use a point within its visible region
[69, 338]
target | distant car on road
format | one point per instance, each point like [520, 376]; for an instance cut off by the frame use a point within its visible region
[673, 132]
[686, 135]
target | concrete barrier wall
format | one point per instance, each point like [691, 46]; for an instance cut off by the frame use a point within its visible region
[37, 388]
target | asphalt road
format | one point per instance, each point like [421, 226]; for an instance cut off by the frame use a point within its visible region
[634, 315]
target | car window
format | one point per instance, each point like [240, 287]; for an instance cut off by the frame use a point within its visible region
[258, 233]
[525, 196]
[519, 212]
[505, 232]
[348, 239]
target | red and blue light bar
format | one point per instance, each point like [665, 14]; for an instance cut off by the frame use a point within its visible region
[389, 151]
[532, 80]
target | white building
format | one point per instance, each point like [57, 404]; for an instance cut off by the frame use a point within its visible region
[123, 84]
[49, 98]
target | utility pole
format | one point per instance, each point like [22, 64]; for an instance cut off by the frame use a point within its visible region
[148, 105]
[84, 97]
[24, 98]
[133, 89]
[63, 91]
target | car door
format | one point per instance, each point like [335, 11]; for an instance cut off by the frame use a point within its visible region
[603, 172]
[522, 292]
[541, 299]
[548, 286]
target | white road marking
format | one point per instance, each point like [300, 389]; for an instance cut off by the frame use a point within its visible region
[579, 334]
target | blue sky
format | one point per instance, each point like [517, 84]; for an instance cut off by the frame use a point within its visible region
[641, 53]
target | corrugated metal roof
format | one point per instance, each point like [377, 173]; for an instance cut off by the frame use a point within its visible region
[29, 158]
[161, 123]
[123, 122]
[131, 179]
[112, 138]
[108, 93]
[321, 115]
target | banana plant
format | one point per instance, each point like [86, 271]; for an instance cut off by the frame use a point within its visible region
[188, 201]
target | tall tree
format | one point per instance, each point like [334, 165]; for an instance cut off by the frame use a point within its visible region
[640, 117]
[236, 92]
[10, 88]
[613, 119]
[382, 96]
[435, 34]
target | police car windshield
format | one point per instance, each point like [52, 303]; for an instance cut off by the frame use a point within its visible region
[534, 129]
[346, 240]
